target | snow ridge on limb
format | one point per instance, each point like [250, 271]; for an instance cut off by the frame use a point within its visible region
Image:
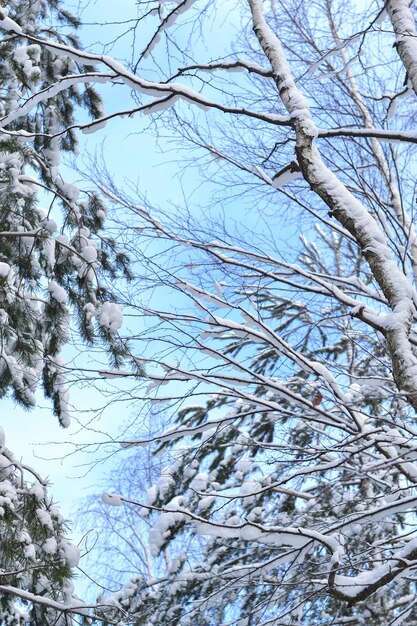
[137, 83]
[406, 36]
[378, 133]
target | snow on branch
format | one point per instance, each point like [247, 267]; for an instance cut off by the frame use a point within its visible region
[390, 136]
[404, 26]
[135, 82]
[351, 213]
[229, 66]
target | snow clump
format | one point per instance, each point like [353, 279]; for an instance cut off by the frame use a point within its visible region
[4, 269]
[111, 316]
[113, 499]
[57, 292]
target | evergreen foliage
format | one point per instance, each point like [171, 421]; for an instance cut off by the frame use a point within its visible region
[37, 559]
[53, 257]
[53, 264]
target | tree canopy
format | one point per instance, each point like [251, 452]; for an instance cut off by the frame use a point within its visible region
[273, 345]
